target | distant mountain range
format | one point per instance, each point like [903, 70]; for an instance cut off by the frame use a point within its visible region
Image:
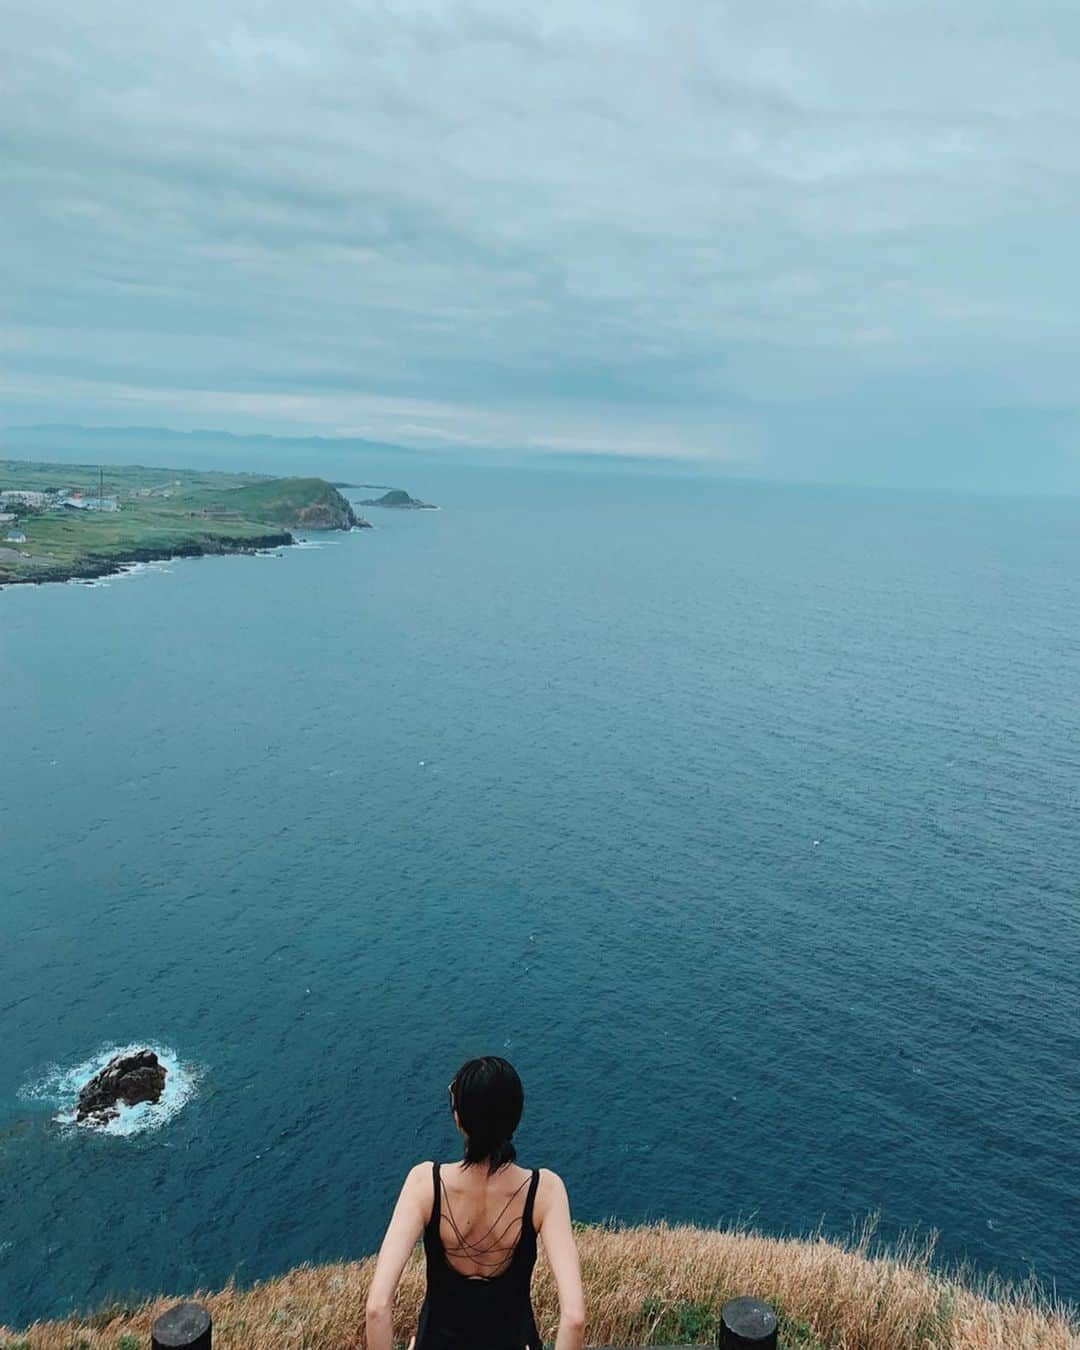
[349, 459]
[52, 435]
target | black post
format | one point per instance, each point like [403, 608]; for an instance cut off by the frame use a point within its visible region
[747, 1322]
[185, 1327]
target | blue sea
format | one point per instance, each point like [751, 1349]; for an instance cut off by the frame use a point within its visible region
[744, 819]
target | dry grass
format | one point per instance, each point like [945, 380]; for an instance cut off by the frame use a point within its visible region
[642, 1285]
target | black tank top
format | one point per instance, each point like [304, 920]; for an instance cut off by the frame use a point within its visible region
[467, 1312]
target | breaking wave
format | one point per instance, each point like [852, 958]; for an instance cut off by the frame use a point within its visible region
[59, 1087]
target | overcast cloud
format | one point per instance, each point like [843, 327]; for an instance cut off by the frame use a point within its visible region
[821, 240]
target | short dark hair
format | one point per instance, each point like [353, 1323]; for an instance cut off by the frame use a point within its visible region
[488, 1098]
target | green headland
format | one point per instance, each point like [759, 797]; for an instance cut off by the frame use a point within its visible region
[78, 521]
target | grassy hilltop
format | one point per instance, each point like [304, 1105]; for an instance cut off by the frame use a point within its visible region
[161, 513]
[650, 1285]
[296, 502]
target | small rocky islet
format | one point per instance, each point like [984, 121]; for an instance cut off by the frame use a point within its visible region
[399, 500]
[129, 1078]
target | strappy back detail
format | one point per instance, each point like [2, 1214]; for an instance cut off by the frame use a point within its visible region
[490, 1309]
[493, 1252]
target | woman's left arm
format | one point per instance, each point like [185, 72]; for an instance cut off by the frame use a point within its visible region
[406, 1225]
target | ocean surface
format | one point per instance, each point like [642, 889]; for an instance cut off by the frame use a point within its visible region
[744, 819]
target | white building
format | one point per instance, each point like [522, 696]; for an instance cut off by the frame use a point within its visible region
[91, 503]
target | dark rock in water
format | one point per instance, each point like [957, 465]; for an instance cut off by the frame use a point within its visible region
[132, 1076]
[399, 499]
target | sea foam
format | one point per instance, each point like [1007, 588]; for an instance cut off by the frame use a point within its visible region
[59, 1086]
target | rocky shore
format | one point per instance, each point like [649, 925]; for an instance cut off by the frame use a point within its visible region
[92, 567]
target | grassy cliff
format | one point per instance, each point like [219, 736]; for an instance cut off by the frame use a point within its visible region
[294, 502]
[652, 1285]
[162, 513]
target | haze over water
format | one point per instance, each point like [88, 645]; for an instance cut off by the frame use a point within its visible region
[743, 819]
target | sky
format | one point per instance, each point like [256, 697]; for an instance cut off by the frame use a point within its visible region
[831, 240]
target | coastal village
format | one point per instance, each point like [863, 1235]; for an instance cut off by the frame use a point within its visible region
[19, 505]
[15, 502]
[84, 491]
[19, 502]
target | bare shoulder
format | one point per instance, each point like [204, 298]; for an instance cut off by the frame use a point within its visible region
[550, 1194]
[418, 1180]
[417, 1191]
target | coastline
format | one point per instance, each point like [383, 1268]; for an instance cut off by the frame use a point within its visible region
[75, 523]
[91, 567]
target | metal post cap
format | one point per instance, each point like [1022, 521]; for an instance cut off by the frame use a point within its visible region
[747, 1321]
[187, 1324]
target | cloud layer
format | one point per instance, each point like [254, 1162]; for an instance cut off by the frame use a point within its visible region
[831, 239]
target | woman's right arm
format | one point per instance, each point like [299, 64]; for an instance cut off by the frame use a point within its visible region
[553, 1226]
[406, 1225]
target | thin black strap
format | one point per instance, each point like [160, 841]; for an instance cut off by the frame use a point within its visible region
[474, 1248]
[527, 1215]
[436, 1207]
